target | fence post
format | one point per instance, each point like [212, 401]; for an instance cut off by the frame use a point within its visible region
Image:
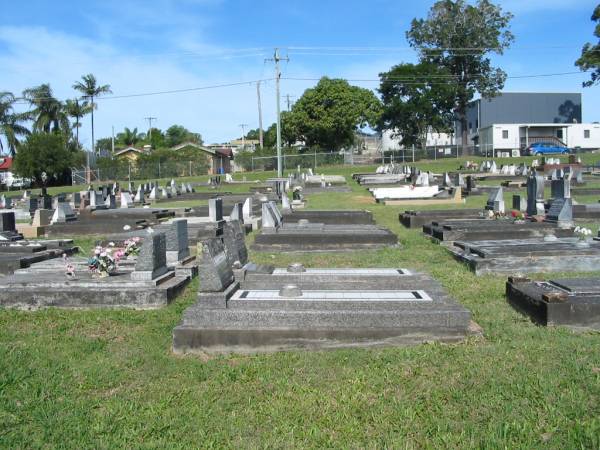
[252, 160]
[315, 159]
[190, 164]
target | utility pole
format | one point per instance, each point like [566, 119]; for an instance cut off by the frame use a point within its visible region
[243, 125]
[260, 124]
[276, 58]
[113, 140]
[289, 103]
[150, 119]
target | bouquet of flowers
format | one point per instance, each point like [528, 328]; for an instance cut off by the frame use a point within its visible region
[132, 247]
[518, 216]
[583, 233]
[102, 262]
[69, 267]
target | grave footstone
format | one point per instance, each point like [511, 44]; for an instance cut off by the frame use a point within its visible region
[151, 262]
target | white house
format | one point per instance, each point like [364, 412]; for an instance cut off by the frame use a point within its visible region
[518, 136]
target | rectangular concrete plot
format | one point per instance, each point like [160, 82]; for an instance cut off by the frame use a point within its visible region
[528, 256]
[570, 302]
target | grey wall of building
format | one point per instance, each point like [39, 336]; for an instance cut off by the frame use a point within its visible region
[526, 107]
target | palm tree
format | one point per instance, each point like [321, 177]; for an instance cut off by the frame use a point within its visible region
[10, 126]
[48, 113]
[90, 89]
[77, 110]
[130, 137]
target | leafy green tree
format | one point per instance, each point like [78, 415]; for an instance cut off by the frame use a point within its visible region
[89, 87]
[590, 54]
[11, 127]
[415, 102]
[104, 145]
[48, 113]
[177, 134]
[130, 137]
[76, 110]
[459, 37]
[155, 138]
[46, 152]
[328, 115]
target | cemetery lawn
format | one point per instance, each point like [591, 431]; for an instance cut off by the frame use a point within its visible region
[106, 379]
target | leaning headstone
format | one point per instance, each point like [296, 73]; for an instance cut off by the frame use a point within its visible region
[237, 213]
[177, 241]
[215, 209]
[269, 220]
[235, 246]
[247, 208]
[213, 269]
[126, 200]
[561, 212]
[110, 202]
[63, 213]
[152, 261]
[139, 196]
[496, 201]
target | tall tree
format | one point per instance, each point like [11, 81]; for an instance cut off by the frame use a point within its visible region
[590, 54]
[329, 114]
[177, 134]
[459, 37]
[48, 113]
[416, 98]
[11, 123]
[77, 109]
[130, 137]
[90, 89]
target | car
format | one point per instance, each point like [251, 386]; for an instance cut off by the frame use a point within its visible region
[18, 183]
[546, 148]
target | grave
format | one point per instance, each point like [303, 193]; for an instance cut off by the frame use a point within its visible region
[330, 217]
[323, 308]
[417, 219]
[404, 192]
[452, 197]
[41, 219]
[491, 229]
[305, 236]
[568, 302]
[150, 285]
[528, 255]
[8, 231]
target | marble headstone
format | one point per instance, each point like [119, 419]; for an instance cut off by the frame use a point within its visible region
[152, 261]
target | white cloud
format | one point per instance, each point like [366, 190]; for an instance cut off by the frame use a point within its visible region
[63, 58]
[536, 6]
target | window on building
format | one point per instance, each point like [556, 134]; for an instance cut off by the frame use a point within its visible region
[559, 134]
[586, 134]
[504, 134]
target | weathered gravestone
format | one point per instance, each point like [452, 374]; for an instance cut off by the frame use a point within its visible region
[237, 213]
[561, 212]
[177, 241]
[535, 195]
[152, 261]
[213, 268]
[215, 209]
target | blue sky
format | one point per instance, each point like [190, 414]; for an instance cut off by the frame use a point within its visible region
[144, 46]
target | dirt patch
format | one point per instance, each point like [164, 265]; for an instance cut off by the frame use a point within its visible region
[364, 199]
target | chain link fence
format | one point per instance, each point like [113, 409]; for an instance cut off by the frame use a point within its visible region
[111, 170]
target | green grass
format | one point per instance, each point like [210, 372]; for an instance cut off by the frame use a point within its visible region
[105, 379]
